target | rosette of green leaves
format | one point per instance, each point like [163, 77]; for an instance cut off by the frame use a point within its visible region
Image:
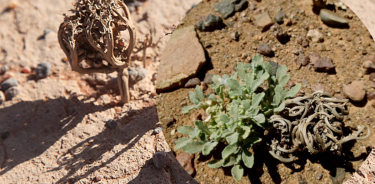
[237, 113]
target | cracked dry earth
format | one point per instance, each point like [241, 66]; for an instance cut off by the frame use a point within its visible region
[56, 126]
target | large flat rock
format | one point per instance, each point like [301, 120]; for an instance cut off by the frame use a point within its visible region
[182, 58]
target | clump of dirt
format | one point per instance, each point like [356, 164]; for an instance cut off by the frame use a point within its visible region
[318, 56]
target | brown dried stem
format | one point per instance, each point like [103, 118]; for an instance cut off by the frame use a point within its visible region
[92, 35]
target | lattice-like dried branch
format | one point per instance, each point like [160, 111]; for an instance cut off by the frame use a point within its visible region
[91, 39]
[313, 122]
[146, 43]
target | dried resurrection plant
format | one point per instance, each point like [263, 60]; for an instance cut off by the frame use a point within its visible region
[313, 122]
[91, 39]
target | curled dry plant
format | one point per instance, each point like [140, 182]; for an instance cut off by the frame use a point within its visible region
[91, 39]
[313, 122]
[237, 113]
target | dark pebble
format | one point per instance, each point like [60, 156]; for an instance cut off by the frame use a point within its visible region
[157, 130]
[111, 123]
[280, 16]
[211, 23]
[265, 49]
[192, 83]
[5, 135]
[12, 92]
[279, 32]
[43, 70]
[227, 8]
[8, 83]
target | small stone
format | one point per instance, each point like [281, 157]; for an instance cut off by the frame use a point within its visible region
[227, 8]
[315, 36]
[324, 65]
[332, 19]
[265, 49]
[235, 36]
[279, 32]
[208, 78]
[2, 97]
[136, 74]
[280, 16]
[314, 57]
[5, 135]
[47, 31]
[369, 66]
[303, 60]
[160, 159]
[186, 161]
[111, 123]
[4, 69]
[372, 77]
[355, 91]
[43, 70]
[12, 92]
[6, 76]
[192, 83]
[211, 23]
[8, 83]
[167, 120]
[26, 69]
[303, 41]
[264, 21]
[157, 130]
[319, 176]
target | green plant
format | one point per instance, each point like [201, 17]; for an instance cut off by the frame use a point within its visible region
[237, 113]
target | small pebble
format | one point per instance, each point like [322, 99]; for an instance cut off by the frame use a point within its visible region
[47, 31]
[208, 78]
[319, 176]
[8, 83]
[160, 159]
[280, 16]
[265, 49]
[157, 130]
[355, 91]
[26, 69]
[43, 70]
[235, 36]
[4, 69]
[5, 135]
[12, 92]
[111, 123]
[192, 83]
[211, 23]
[315, 36]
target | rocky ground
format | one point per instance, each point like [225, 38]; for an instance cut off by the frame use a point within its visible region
[329, 50]
[58, 126]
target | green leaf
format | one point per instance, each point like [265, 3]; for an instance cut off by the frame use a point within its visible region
[199, 93]
[202, 127]
[237, 172]
[193, 147]
[182, 142]
[216, 79]
[230, 161]
[212, 97]
[185, 129]
[257, 99]
[208, 147]
[293, 91]
[241, 71]
[276, 99]
[281, 71]
[249, 81]
[259, 120]
[234, 112]
[252, 111]
[245, 104]
[230, 149]
[215, 163]
[232, 139]
[245, 131]
[260, 81]
[257, 60]
[188, 108]
[194, 134]
[268, 67]
[193, 98]
[282, 82]
[226, 133]
[280, 108]
[233, 84]
[225, 118]
[247, 158]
